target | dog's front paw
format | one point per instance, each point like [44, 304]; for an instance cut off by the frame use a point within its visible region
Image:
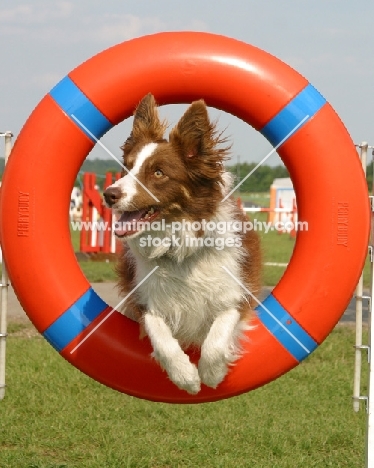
[187, 379]
[214, 364]
[181, 372]
[212, 374]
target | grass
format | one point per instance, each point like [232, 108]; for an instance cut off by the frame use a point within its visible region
[54, 416]
[98, 272]
[75, 240]
[95, 272]
[261, 199]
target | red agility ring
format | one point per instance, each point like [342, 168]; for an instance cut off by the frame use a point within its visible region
[179, 68]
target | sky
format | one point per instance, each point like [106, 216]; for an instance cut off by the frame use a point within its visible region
[330, 42]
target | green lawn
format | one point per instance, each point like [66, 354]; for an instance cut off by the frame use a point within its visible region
[261, 199]
[98, 272]
[95, 272]
[54, 416]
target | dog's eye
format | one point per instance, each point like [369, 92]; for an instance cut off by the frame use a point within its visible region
[158, 173]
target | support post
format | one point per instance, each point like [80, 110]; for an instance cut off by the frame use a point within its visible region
[370, 397]
[4, 291]
[359, 298]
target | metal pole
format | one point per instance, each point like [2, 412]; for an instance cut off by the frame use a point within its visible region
[359, 297]
[370, 398]
[4, 292]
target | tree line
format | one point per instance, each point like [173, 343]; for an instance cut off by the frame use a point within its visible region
[259, 181]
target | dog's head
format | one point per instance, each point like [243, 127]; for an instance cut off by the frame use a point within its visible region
[172, 180]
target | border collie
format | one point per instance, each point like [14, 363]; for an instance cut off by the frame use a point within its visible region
[175, 218]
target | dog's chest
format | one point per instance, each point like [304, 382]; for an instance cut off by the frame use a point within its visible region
[191, 294]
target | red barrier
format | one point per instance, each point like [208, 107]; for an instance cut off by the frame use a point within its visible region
[97, 236]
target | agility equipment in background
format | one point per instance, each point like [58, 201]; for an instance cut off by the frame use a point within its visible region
[97, 234]
[237, 78]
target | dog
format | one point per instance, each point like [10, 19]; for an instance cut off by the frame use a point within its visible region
[176, 220]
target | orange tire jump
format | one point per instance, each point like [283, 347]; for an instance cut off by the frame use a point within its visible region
[235, 77]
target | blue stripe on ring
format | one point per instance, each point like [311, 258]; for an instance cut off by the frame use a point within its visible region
[74, 320]
[285, 329]
[293, 116]
[73, 102]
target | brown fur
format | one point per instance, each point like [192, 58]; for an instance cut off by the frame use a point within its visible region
[192, 164]
[252, 269]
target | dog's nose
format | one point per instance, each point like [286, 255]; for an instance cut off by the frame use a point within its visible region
[112, 195]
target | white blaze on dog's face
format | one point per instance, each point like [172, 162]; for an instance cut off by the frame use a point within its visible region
[171, 180]
[130, 182]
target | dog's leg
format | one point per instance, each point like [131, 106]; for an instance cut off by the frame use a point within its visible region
[167, 351]
[220, 348]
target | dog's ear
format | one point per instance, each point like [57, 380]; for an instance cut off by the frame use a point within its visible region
[195, 138]
[147, 122]
[147, 125]
[192, 133]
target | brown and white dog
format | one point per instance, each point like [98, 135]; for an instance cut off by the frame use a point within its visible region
[192, 236]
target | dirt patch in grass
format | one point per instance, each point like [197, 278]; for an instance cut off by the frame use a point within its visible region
[22, 329]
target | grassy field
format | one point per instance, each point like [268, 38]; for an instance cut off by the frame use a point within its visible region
[53, 416]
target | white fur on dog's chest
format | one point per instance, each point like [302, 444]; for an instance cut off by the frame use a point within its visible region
[191, 295]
